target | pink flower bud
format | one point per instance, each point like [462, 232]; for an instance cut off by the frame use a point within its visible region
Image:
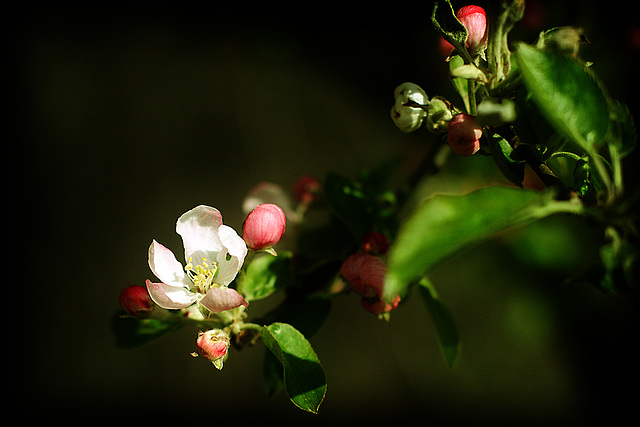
[372, 272]
[474, 18]
[464, 134]
[305, 189]
[350, 270]
[263, 227]
[366, 274]
[136, 301]
[374, 243]
[213, 346]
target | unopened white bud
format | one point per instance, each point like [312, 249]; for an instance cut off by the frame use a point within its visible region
[407, 112]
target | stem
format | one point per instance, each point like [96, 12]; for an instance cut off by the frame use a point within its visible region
[471, 93]
[251, 326]
[616, 164]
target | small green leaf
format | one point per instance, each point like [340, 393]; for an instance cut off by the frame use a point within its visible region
[444, 224]
[502, 153]
[584, 181]
[568, 95]
[265, 275]
[445, 326]
[304, 378]
[132, 332]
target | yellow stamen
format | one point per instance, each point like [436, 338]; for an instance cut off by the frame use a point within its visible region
[203, 274]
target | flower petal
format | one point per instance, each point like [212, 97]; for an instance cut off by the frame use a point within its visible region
[350, 270]
[170, 297]
[166, 267]
[220, 299]
[233, 242]
[230, 260]
[199, 230]
[372, 273]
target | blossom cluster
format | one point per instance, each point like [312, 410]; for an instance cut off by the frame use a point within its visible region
[204, 288]
[413, 108]
[214, 253]
[374, 238]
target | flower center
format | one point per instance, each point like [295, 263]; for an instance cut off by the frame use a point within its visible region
[203, 274]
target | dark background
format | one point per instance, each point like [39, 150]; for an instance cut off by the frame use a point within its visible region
[124, 117]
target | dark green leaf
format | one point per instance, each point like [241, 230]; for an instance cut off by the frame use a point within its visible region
[445, 326]
[568, 95]
[584, 181]
[265, 275]
[445, 224]
[446, 23]
[304, 378]
[502, 153]
[532, 128]
[132, 332]
[272, 372]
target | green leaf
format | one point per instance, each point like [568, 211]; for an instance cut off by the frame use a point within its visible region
[446, 23]
[533, 128]
[444, 224]
[460, 84]
[132, 332]
[445, 326]
[568, 95]
[265, 275]
[502, 152]
[304, 378]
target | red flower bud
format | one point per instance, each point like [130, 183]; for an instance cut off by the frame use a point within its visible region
[263, 227]
[136, 301]
[213, 345]
[464, 134]
[474, 18]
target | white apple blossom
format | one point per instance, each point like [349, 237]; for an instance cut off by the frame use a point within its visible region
[214, 253]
